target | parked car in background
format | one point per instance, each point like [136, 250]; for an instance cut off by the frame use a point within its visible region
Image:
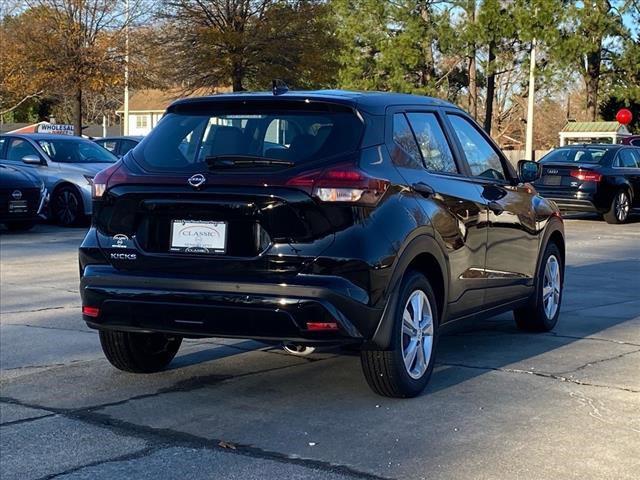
[119, 146]
[23, 198]
[312, 218]
[67, 166]
[632, 140]
[602, 178]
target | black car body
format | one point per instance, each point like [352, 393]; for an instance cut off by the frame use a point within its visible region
[321, 210]
[119, 146]
[23, 198]
[601, 178]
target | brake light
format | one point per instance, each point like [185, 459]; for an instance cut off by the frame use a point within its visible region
[91, 311]
[104, 179]
[322, 326]
[342, 184]
[586, 175]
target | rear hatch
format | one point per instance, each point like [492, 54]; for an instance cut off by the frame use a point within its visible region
[208, 192]
[566, 177]
[255, 230]
[572, 168]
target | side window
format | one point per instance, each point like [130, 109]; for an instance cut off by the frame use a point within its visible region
[432, 142]
[636, 142]
[125, 146]
[3, 140]
[110, 145]
[481, 157]
[626, 159]
[404, 139]
[19, 148]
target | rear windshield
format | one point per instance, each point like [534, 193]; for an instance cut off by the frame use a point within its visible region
[185, 141]
[76, 151]
[576, 155]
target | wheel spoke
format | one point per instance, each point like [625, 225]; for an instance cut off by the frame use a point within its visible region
[407, 325]
[421, 361]
[416, 303]
[410, 354]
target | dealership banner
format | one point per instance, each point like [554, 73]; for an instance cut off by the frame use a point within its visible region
[59, 129]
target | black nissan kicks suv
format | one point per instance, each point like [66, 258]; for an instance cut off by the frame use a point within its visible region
[316, 218]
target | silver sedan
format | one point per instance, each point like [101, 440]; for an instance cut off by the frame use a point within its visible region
[67, 166]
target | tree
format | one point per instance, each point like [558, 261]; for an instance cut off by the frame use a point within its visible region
[247, 43]
[403, 45]
[20, 81]
[498, 33]
[71, 47]
[363, 35]
[592, 35]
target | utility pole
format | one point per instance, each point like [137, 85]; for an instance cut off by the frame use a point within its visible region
[125, 122]
[532, 93]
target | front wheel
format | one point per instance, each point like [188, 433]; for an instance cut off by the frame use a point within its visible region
[620, 208]
[542, 312]
[139, 352]
[405, 369]
[66, 207]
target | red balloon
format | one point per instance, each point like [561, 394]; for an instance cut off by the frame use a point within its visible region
[624, 116]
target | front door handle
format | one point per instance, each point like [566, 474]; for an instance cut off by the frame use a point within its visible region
[495, 207]
[423, 189]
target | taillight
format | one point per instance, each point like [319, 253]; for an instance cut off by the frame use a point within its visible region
[103, 179]
[342, 184]
[90, 311]
[586, 175]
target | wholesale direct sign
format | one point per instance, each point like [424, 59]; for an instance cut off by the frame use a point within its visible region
[58, 129]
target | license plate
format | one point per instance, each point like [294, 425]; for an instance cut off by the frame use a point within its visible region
[18, 206]
[552, 180]
[198, 236]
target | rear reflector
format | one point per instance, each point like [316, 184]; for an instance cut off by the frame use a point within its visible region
[316, 326]
[91, 311]
[586, 175]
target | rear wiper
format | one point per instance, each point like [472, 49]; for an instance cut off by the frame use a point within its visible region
[244, 161]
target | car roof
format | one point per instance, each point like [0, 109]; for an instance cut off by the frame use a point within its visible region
[372, 102]
[120, 137]
[45, 136]
[592, 145]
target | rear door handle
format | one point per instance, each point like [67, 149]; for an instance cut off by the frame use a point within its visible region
[423, 189]
[495, 207]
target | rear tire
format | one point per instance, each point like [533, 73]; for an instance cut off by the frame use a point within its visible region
[543, 310]
[620, 208]
[19, 226]
[139, 352]
[405, 369]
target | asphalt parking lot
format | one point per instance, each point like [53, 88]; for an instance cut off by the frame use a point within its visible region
[501, 403]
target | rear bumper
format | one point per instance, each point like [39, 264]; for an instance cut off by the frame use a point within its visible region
[193, 307]
[574, 201]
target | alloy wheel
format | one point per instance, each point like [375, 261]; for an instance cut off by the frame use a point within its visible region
[66, 207]
[551, 287]
[417, 334]
[622, 206]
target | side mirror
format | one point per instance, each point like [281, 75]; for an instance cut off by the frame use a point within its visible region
[32, 159]
[528, 171]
